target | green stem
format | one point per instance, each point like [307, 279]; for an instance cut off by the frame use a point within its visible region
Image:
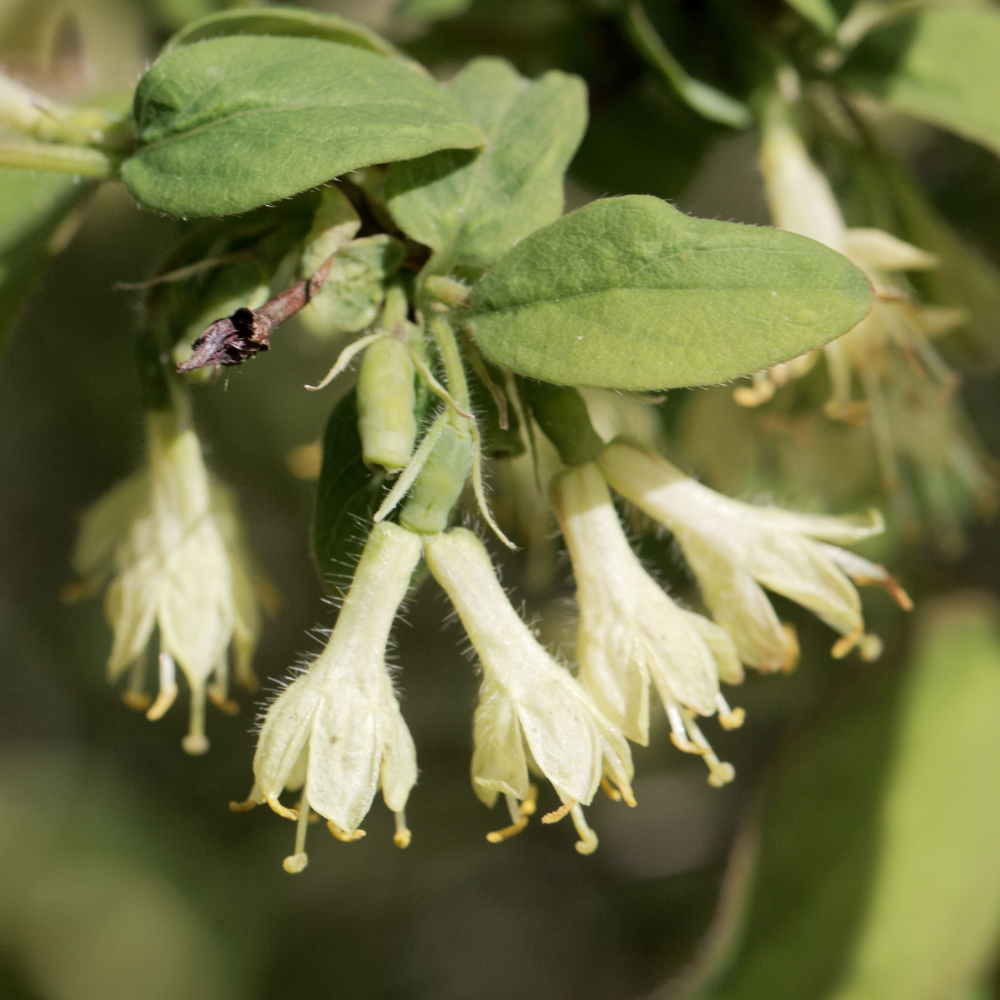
[451, 358]
[79, 160]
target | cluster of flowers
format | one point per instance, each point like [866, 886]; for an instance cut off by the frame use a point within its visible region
[335, 734]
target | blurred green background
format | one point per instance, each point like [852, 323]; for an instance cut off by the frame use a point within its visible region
[863, 830]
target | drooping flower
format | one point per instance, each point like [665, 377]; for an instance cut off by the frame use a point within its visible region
[631, 633]
[734, 548]
[336, 734]
[532, 713]
[170, 541]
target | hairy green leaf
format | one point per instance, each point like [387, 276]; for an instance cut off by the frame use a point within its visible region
[287, 22]
[234, 123]
[347, 496]
[941, 64]
[34, 208]
[629, 293]
[875, 872]
[472, 208]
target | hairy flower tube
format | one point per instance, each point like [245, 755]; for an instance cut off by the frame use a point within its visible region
[532, 713]
[170, 541]
[631, 633]
[336, 734]
[734, 548]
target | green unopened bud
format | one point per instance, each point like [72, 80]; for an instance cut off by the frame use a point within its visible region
[446, 290]
[386, 401]
[440, 482]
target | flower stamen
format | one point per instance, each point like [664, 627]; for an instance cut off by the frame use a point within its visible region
[344, 838]
[610, 790]
[729, 718]
[403, 835]
[558, 814]
[135, 697]
[587, 843]
[283, 811]
[196, 742]
[519, 813]
[296, 862]
[168, 688]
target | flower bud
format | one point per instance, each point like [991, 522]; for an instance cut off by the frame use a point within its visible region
[386, 400]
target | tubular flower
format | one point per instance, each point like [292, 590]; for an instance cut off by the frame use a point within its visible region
[531, 711]
[336, 732]
[170, 540]
[733, 548]
[802, 202]
[632, 633]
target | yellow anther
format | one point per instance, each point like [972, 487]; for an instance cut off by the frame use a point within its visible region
[587, 843]
[165, 698]
[284, 811]
[138, 701]
[218, 698]
[530, 803]
[733, 719]
[497, 836]
[345, 838]
[610, 790]
[847, 642]
[558, 814]
[687, 746]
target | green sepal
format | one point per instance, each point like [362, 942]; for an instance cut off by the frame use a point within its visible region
[438, 487]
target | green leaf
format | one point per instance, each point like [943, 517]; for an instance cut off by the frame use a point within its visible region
[34, 225]
[820, 12]
[472, 208]
[347, 496]
[432, 10]
[629, 293]
[934, 911]
[234, 123]
[287, 22]
[353, 293]
[940, 64]
[708, 101]
[875, 872]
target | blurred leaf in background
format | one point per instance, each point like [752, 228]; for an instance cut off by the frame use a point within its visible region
[872, 870]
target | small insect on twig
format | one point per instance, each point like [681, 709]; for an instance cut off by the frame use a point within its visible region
[230, 341]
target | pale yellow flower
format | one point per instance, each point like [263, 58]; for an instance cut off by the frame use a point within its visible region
[336, 732]
[169, 540]
[532, 713]
[631, 633]
[734, 548]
